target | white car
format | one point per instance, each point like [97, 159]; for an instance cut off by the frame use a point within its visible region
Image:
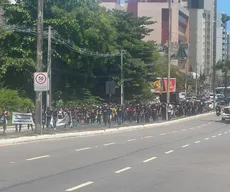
[226, 114]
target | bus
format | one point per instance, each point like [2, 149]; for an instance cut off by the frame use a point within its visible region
[220, 90]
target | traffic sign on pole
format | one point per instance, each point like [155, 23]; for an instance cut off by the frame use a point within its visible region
[110, 88]
[41, 81]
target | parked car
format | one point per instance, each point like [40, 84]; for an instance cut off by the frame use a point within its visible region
[226, 114]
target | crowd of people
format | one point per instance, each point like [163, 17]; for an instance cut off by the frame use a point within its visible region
[114, 114]
[118, 114]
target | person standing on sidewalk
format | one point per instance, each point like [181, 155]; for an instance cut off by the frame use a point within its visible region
[18, 127]
[33, 117]
[5, 114]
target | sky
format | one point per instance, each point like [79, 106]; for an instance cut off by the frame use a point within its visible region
[224, 6]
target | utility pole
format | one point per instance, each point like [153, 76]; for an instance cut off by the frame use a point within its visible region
[169, 57]
[186, 78]
[49, 71]
[122, 77]
[38, 109]
[196, 88]
[214, 55]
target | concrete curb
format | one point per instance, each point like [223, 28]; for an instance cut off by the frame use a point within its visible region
[99, 132]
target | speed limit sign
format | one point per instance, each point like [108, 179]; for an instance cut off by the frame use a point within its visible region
[40, 81]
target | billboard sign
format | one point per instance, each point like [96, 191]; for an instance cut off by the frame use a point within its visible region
[160, 85]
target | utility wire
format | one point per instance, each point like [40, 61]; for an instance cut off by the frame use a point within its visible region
[59, 40]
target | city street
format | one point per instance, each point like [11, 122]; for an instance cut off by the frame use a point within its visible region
[191, 156]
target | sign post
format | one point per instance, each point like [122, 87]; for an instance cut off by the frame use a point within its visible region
[110, 90]
[40, 85]
[41, 81]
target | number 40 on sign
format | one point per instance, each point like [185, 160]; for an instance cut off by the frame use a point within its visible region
[40, 81]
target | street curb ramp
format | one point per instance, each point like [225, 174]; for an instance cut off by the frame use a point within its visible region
[92, 133]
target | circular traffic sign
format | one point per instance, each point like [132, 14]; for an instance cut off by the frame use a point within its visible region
[40, 78]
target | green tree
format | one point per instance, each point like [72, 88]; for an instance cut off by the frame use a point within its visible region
[11, 100]
[4, 2]
[130, 33]
[84, 24]
[161, 70]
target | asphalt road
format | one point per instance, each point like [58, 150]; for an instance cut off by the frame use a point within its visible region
[191, 156]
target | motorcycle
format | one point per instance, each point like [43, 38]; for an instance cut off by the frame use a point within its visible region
[218, 113]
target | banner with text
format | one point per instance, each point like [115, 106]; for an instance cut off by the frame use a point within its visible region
[22, 118]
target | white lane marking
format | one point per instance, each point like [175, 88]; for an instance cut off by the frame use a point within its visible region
[174, 132]
[83, 149]
[12, 162]
[80, 186]
[225, 132]
[185, 146]
[197, 142]
[171, 151]
[210, 123]
[131, 140]
[150, 136]
[163, 133]
[214, 136]
[220, 134]
[122, 170]
[198, 126]
[150, 159]
[183, 129]
[97, 146]
[206, 139]
[192, 128]
[108, 144]
[40, 157]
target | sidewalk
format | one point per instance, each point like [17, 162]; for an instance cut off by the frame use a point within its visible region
[29, 136]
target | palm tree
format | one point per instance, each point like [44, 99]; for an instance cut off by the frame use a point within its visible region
[224, 66]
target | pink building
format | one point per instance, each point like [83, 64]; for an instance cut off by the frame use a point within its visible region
[157, 10]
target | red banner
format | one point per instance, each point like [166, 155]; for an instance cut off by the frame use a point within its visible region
[160, 85]
[172, 86]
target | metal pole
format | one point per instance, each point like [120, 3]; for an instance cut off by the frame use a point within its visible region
[196, 88]
[110, 96]
[122, 78]
[214, 56]
[169, 56]
[186, 79]
[49, 92]
[38, 108]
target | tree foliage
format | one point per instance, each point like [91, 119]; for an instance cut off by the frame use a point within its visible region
[161, 68]
[11, 100]
[4, 2]
[88, 26]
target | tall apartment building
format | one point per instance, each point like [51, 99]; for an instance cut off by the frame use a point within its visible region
[228, 46]
[202, 16]
[221, 39]
[159, 13]
[157, 10]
